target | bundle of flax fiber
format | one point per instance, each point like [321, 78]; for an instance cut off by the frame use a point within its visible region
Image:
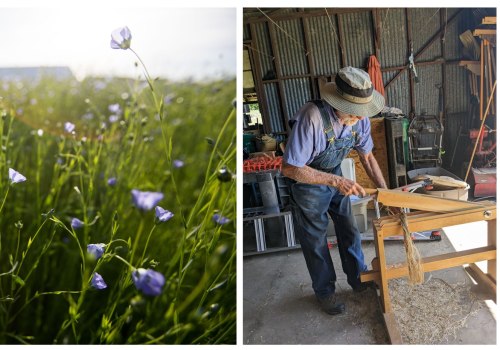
[415, 269]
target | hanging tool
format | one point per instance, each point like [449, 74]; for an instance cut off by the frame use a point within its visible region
[412, 65]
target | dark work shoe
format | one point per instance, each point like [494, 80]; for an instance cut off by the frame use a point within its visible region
[330, 306]
[364, 286]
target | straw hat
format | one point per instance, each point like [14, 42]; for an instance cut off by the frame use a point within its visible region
[352, 93]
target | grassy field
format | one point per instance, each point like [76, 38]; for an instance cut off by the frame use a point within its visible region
[101, 151]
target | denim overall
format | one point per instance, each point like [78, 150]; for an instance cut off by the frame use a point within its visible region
[310, 206]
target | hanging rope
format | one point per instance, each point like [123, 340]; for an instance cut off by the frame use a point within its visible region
[260, 52]
[336, 37]
[414, 261]
[284, 31]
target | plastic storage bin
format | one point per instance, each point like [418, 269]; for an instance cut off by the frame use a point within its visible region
[459, 193]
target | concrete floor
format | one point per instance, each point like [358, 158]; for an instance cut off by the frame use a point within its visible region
[280, 306]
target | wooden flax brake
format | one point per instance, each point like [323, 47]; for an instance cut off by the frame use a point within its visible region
[432, 212]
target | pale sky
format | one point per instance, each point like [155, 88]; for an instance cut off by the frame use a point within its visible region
[174, 43]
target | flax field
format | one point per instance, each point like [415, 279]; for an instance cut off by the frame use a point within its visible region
[117, 210]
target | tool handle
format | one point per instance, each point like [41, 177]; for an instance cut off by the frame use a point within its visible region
[370, 191]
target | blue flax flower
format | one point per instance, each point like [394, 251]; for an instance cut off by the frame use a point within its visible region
[163, 215]
[112, 181]
[98, 282]
[115, 108]
[97, 249]
[77, 223]
[15, 177]
[178, 163]
[120, 38]
[146, 200]
[69, 127]
[221, 220]
[149, 282]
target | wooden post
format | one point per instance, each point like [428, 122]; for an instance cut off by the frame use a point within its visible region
[492, 241]
[481, 87]
[384, 282]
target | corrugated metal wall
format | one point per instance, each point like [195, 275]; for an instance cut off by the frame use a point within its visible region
[307, 47]
[394, 53]
[291, 48]
[296, 92]
[264, 52]
[272, 98]
[324, 41]
[358, 38]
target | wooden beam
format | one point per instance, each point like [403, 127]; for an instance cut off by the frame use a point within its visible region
[392, 328]
[383, 281]
[343, 63]
[473, 66]
[259, 17]
[482, 278]
[489, 20]
[479, 32]
[437, 262]
[421, 216]
[492, 240]
[396, 198]
[376, 32]
[430, 223]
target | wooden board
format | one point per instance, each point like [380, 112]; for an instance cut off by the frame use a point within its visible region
[396, 198]
[481, 278]
[433, 263]
[392, 328]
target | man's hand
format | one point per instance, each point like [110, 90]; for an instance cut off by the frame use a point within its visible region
[348, 187]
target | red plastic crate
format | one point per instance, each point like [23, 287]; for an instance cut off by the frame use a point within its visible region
[253, 165]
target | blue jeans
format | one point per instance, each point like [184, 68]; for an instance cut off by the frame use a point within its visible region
[311, 205]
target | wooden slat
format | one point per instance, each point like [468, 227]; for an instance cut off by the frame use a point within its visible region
[437, 262]
[478, 32]
[396, 198]
[420, 215]
[481, 278]
[392, 328]
[492, 240]
[384, 281]
[437, 221]
[489, 20]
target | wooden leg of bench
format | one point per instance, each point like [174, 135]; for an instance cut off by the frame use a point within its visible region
[392, 328]
[492, 241]
[384, 285]
[483, 280]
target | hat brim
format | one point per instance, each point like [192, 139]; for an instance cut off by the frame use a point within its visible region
[328, 92]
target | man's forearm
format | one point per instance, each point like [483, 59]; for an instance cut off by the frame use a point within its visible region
[309, 175]
[372, 169]
[312, 176]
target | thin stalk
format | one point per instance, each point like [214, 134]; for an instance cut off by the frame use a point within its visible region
[136, 240]
[4, 198]
[147, 244]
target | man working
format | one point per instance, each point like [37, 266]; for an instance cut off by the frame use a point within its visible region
[323, 133]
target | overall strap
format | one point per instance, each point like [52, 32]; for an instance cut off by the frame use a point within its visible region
[325, 117]
[354, 132]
